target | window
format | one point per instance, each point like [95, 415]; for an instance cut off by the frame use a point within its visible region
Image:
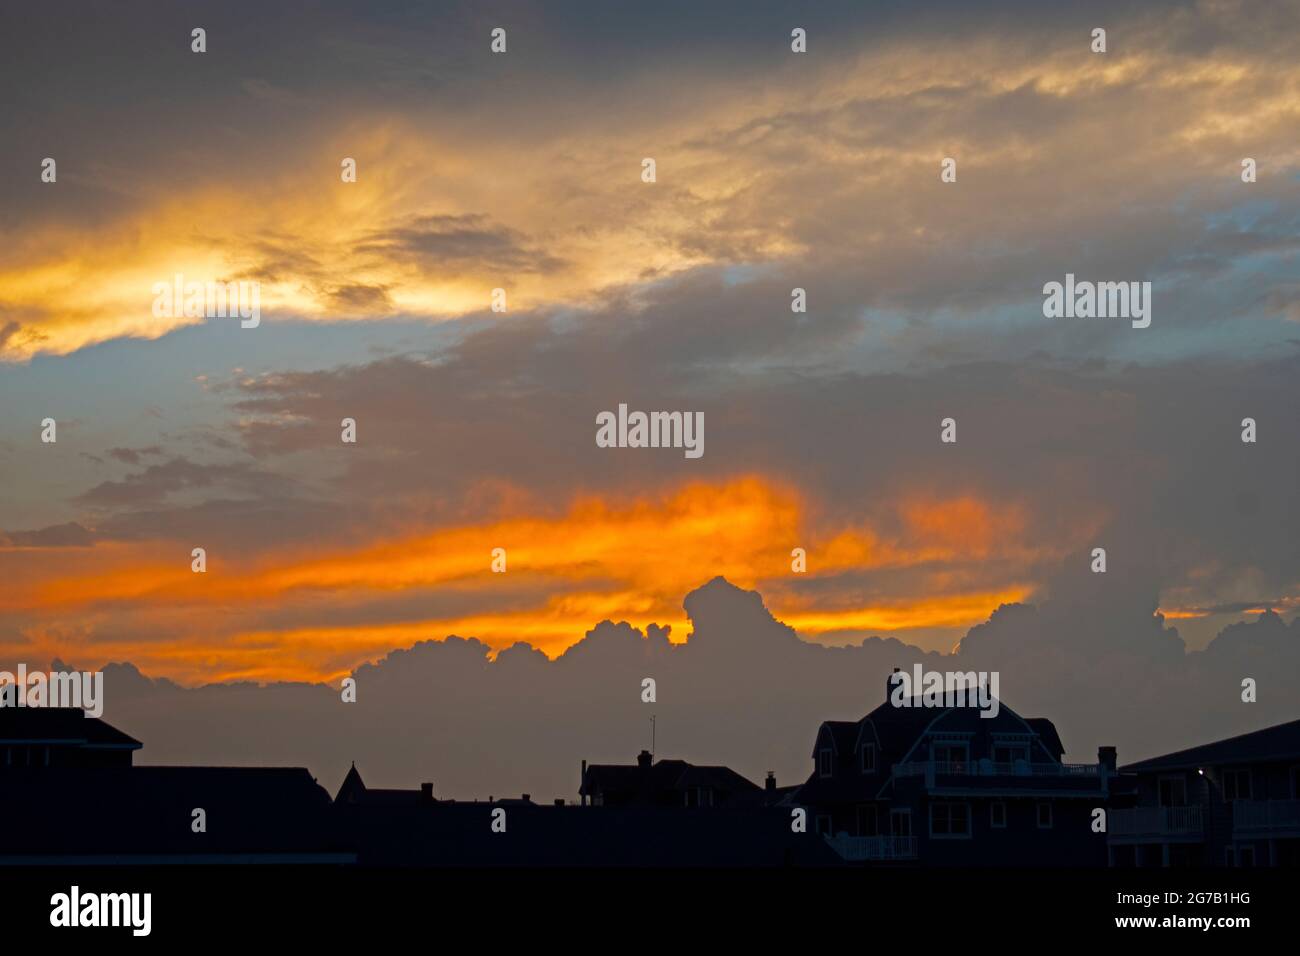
[954, 755]
[949, 820]
[824, 762]
[699, 797]
[1173, 791]
[868, 758]
[998, 815]
[1044, 816]
[1236, 785]
[900, 823]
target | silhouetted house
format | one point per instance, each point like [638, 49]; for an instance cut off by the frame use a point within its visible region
[1234, 802]
[647, 822]
[61, 737]
[354, 791]
[666, 783]
[146, 815]
[947, 786]
[651, 827]
[69, 779]
[774, 796]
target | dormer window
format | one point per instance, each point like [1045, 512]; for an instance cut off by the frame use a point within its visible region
[824, 762]
[868, 758]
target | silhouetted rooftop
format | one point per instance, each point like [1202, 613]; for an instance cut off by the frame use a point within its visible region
[1280, 742]
[64, 725]
[135, 811]
[664, 775]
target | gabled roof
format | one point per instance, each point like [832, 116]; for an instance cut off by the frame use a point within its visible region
[898, 727]
[662, 775]
[843, 735]
[352, 789]
[899, 730]
[719, 778]
[60, 725]
[1046, 731]
[1280, 742]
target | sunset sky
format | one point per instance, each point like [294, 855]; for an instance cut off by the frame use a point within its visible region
[476, 430]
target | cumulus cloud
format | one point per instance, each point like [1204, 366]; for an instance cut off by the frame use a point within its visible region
[775, 171]
[744, 690]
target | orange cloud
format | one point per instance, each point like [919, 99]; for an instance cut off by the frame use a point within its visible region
[313, 614]
[326, 250]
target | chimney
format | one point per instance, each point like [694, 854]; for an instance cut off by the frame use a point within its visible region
[889, 685]
[770, 783]
[559, 801]
[528, 798]
[426, 793]
[643, 760]
[582, 784]
[1108, 758]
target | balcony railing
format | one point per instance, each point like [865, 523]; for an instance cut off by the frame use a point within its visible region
[988, 768]
[857, 849]
[1266, 814]
[1156, 821]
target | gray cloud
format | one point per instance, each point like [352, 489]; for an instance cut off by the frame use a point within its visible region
[157, 482]
[744, 690]
[444, 244]
[133, 456]
[69, 535]
[1153, 450]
